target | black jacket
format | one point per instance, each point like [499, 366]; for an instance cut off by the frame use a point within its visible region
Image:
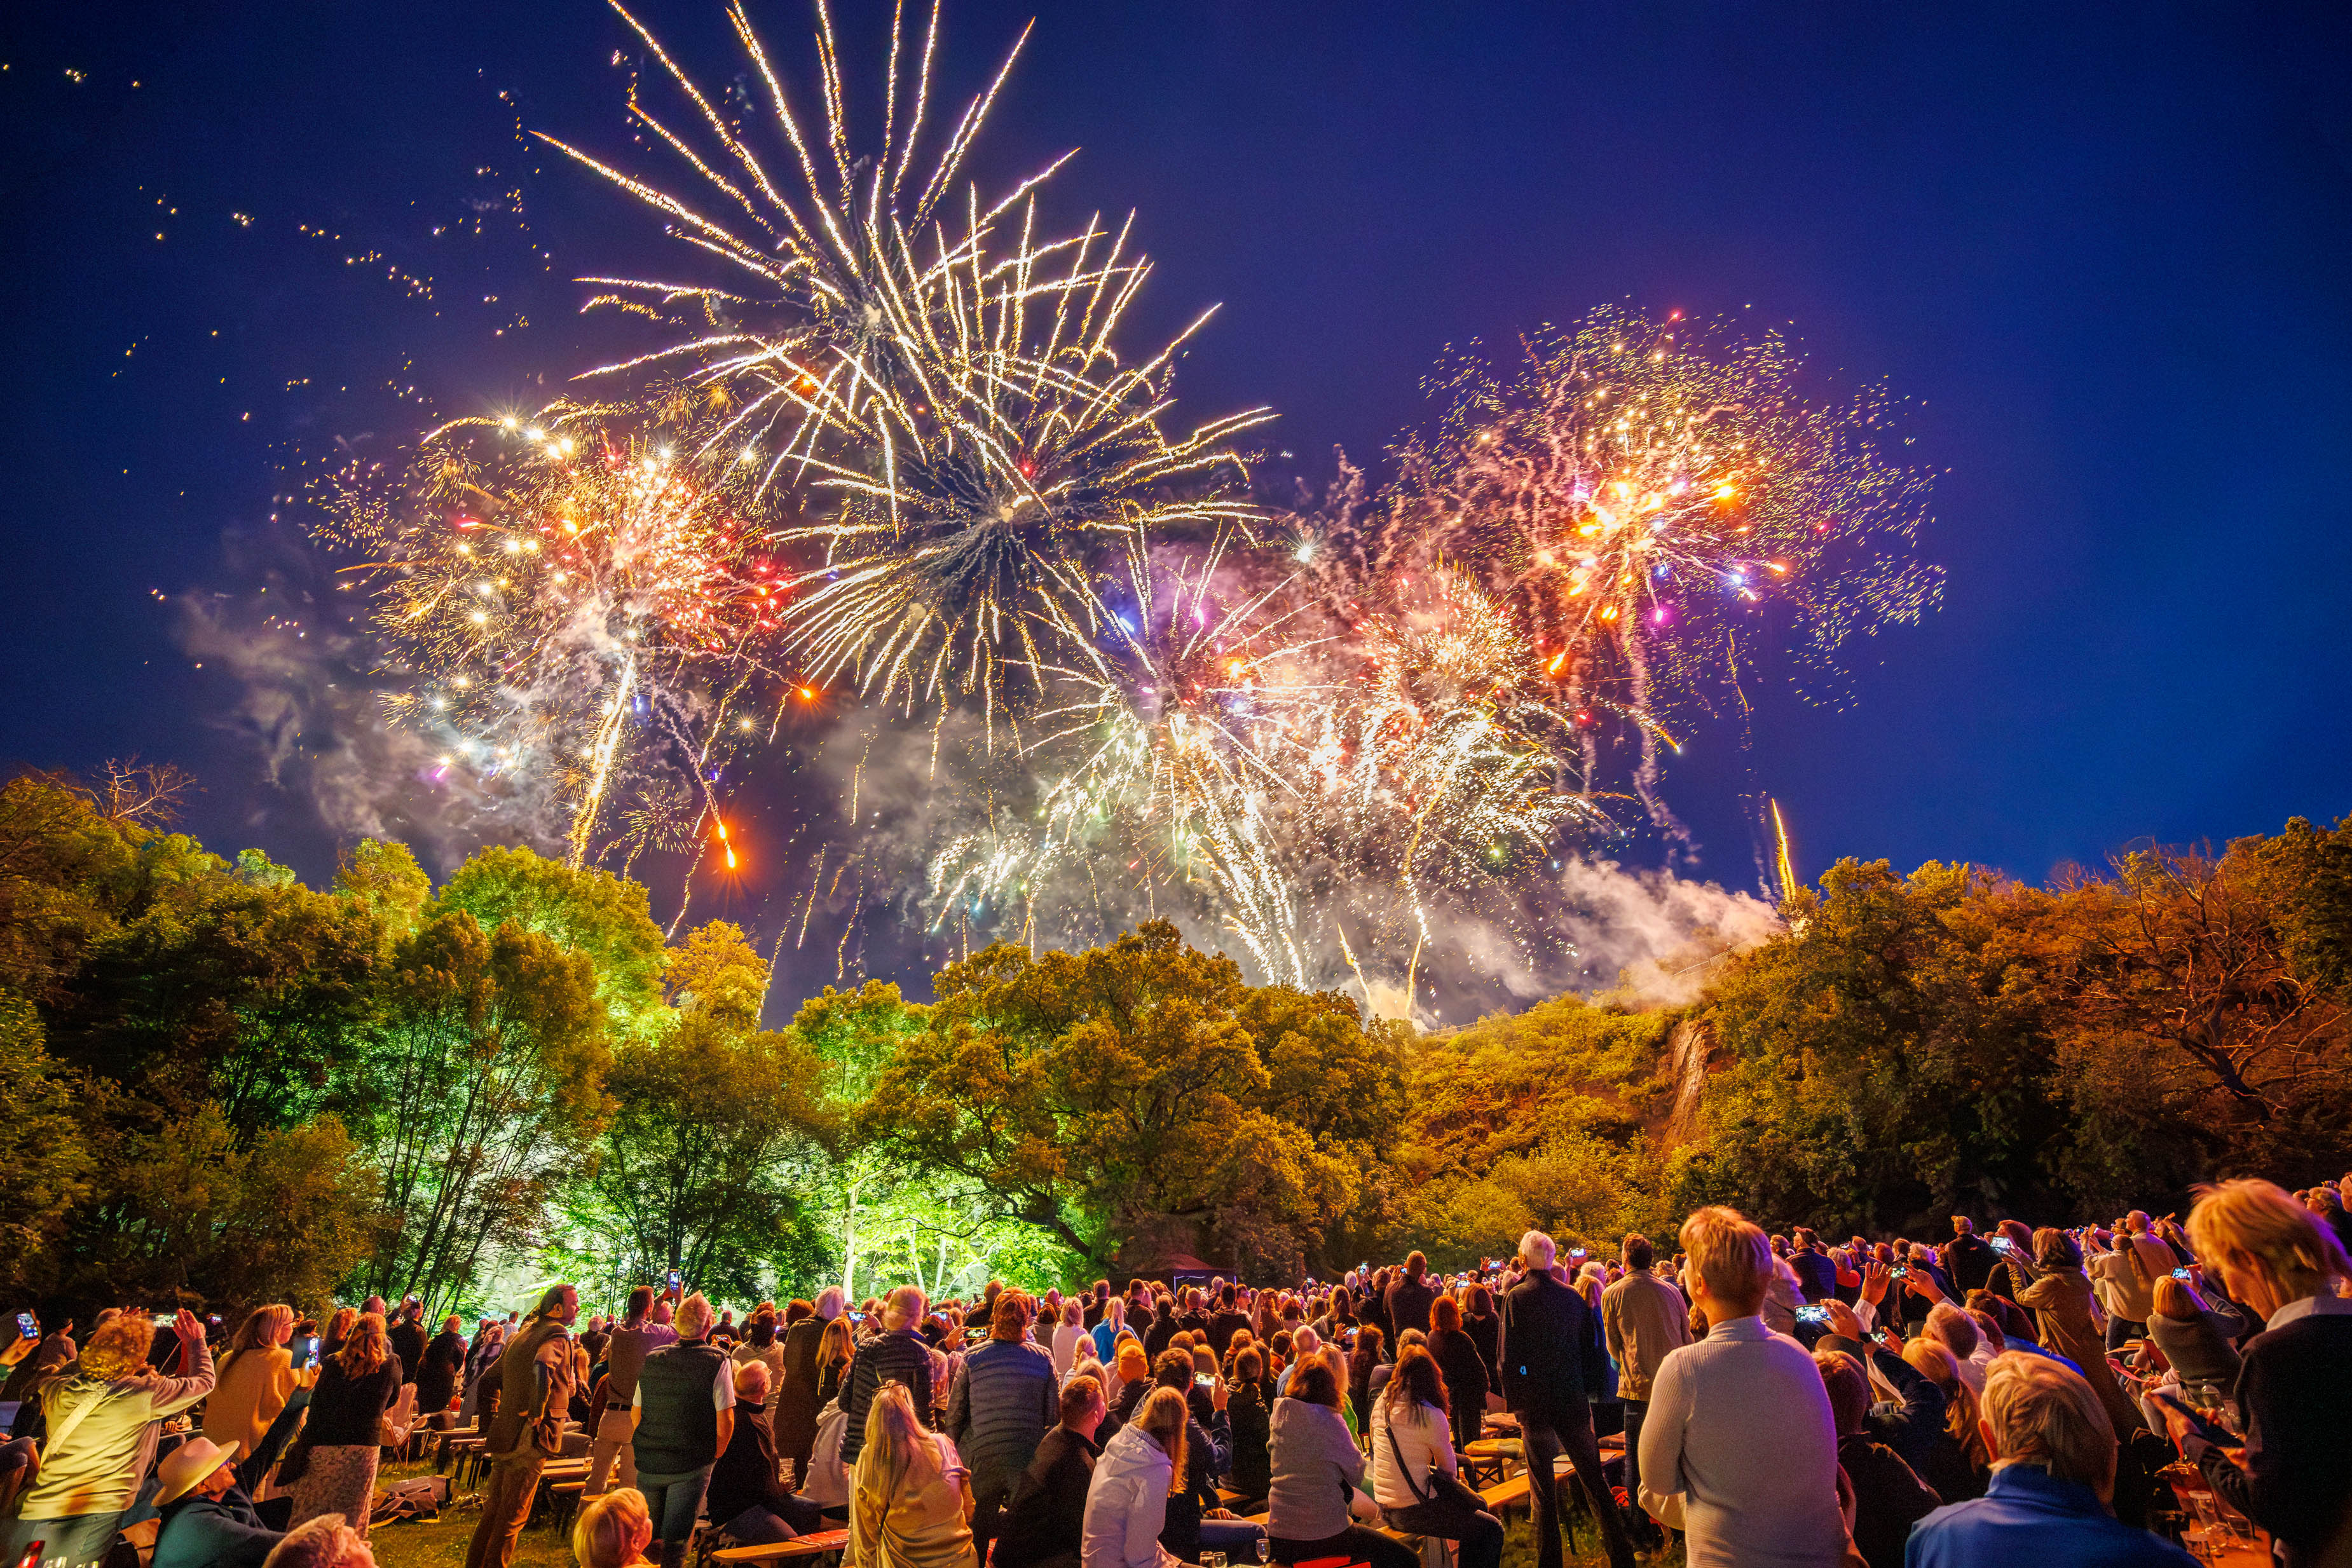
[1046, 1514]
[1969, 1259]
[1408, 1306]
[898, 1356]
[1888, 1498]
[436, 1379]
[2297, 1482]
[1253, 1467]
[1553, 1363]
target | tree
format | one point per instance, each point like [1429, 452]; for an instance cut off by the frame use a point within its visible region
[480, 1099]
[594, 913]
[45, 1162]
[1118, 1100]
[855, 1035]
[386, 880]
[715, 1128]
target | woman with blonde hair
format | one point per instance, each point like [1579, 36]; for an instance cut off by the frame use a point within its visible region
[256, 1379]
[2198, 1338]
[2293, 1477]
[613, 1530]
[908, 1504]
[1127, 1499]
[1066, 1334]
[333, 1466]
[1957, 1464]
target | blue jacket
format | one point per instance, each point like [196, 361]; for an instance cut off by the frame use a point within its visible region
[1004, 1401]
[214, 1532]
[2027, 1516]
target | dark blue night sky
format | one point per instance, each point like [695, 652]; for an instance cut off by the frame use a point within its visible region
[2101, 249]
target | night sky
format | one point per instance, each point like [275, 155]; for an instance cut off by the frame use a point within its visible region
[2102, 251]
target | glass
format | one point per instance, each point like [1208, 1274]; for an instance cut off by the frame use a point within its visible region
[1212, 1560]
[1264, 1547]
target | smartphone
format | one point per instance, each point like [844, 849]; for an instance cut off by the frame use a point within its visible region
[1576, 1252]
[2180, 1273]
[165, 1319]
[1900, 1271]
[1813, 1314]
[2001, 1244]
[1203, 1379]
[313, 1343]
[27, 1326]
[673, 1280]
[857, 1317]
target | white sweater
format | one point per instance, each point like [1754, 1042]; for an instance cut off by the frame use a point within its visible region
[1425, 1439]
[1127, 1503]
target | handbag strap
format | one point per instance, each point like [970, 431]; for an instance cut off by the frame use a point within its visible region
[1388, 1425]
[65, 1429]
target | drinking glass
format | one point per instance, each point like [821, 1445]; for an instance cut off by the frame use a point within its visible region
[1264, 1547]
[1212, 1560]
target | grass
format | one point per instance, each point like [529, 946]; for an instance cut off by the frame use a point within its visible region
[442, 1543]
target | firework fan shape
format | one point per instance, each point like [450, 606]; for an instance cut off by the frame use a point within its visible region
[987, 446]
[1648, 500]
[575, 601]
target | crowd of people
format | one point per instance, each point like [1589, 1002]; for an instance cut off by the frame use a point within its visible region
[2029, 1395]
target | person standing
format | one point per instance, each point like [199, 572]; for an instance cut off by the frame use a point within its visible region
[1462, 1367]
[436, 1377]
[405, 1332]
[1643, 1320]
[1741, 1444]
[533, 1379]
[2294, 1476]
[342, 1435]
[896, 1354]
[1003, 1403]
[102, 1413]
[256, 1382]
[684, 1417]
[634, 1339]
[1408, 1299]
[1553, 1366]
[794, 1402]
[1967, 1258]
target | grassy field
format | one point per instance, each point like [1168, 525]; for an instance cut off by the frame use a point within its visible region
[441, 1544]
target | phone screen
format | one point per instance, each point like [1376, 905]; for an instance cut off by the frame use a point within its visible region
[673, 1280]
[27, 1326]
[164, 1320]
[2180, 1273]
[1203, 1379]
[1813, 1314]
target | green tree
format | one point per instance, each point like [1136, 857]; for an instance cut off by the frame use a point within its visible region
[480, 1099]
[601, 917]
[45, 1167]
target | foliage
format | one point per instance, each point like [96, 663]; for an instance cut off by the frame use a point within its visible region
[1118, 1100]
[482, 1096]
[220, 1086]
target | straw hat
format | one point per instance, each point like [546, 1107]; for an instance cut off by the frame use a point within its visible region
[186, 1465]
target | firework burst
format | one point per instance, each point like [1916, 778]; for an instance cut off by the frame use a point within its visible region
[573, 602]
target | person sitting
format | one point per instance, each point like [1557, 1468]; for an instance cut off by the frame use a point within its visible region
[2293, 1477]
[1247, 1413]
[1956, 1462]
[1888, 1495]
[613, 1530]
[1045, 1516]
[1208, 1451]
[909, 1500]
[2198, 1338]
[745, 1498]
[1416, 1479]
[1127, 1498]
[1310, 1448]
[2053, 1472]
[208, 1522]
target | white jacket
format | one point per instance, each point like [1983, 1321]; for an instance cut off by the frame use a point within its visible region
[1127, 1503]
[1426, 1444]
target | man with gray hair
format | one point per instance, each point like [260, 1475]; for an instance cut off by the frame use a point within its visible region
[1553, 1366]
[326, 1541]
[684, 1416]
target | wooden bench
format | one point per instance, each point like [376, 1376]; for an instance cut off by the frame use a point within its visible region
[824, 1543]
